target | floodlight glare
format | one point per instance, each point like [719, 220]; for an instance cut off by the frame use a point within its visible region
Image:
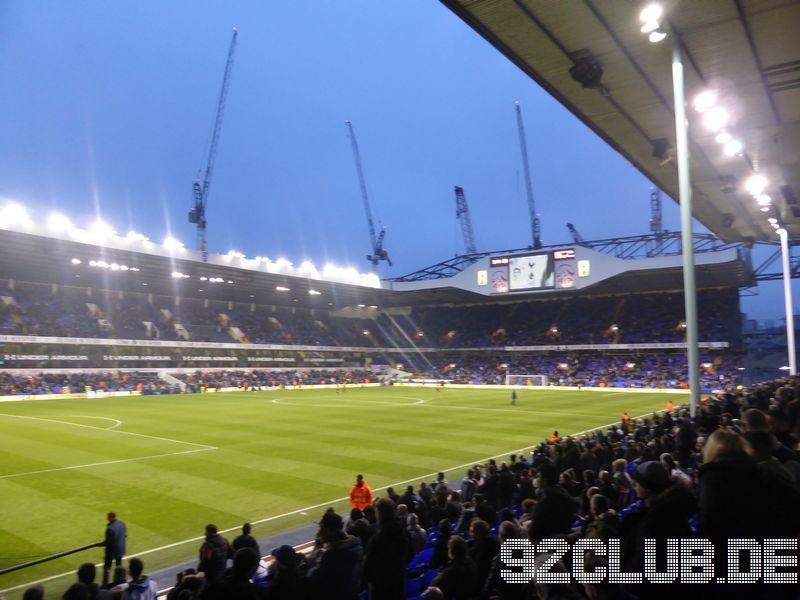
[58, 222]
[101, 230]
[281, 288]
[723, 137]
[764, 200]
[656, 36]
[756, 184]
[651, 12]
[314, 292]
[649, 26]
[76, 261]
[14, 214]
[732, 148]
[704, 100]
[772, 220]
[716, 118]
[765, 209]
[170, 243]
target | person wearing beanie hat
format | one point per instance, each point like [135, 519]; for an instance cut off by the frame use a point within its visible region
[663, 513]
[335, 573]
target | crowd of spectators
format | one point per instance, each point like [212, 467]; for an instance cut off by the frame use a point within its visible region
[256, 379]
[650, 370]
[730, 472]
[667, 371]
[66, 383]
[78, 312]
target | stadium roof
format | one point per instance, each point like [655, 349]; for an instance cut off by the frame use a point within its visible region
[51, 260]
[748, 51]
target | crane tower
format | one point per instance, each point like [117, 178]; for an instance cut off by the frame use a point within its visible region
[200, 188]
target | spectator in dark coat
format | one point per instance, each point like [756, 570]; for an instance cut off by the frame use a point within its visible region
[335, 573]
[459, 579]
[482, 548]
[86, 575]
[246, 540]
[214, 554]
[286, 582]
[114, 543]
[387, 556]
[416, 534]
[237, 583]
[664, 512]
[441, 548]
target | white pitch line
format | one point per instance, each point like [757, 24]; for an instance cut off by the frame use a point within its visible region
[144, 435]
[116, 424]
[107, 462]
[307, 508]
[346, 403]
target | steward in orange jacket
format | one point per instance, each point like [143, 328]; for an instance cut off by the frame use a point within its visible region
[360, 494]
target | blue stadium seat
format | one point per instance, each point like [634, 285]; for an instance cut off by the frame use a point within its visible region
[414, 587]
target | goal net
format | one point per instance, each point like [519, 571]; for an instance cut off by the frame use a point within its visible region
[540, 380]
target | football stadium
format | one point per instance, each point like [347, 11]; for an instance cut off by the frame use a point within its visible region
[182, 423]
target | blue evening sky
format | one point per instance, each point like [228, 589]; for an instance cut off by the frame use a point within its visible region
[106, 109]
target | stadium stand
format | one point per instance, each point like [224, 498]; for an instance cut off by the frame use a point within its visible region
[731, 471]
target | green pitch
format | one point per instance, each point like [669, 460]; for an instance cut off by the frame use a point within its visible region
[170, 464]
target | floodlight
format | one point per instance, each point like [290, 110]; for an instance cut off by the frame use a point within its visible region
[651, 12]
[716, 118]
[764, 200]
[170, 243]
[314, 292]
[281, 288]
[14, 214]
[177, 274]
[362, 306]
[772, 220]
[58, 222]
[134, 236]
[705, 100]
[781, 231]
[732, 148]
[756, 184]
[723, 137]
[101, 230]
[76, 261]
[656, 36]
[765, 209]
[649, 26]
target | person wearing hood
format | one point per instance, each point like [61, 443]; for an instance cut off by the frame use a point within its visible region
[140, 587]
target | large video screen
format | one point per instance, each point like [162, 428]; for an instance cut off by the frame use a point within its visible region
[531, 272]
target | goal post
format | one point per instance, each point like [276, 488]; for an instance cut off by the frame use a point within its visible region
[526, 380]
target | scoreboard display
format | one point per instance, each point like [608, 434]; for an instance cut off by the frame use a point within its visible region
[538, 271]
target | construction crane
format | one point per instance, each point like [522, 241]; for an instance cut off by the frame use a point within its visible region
[576, 237]
[379, 253]
[535, 224]
[656, 222]
[462, 214]
[197, 215]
